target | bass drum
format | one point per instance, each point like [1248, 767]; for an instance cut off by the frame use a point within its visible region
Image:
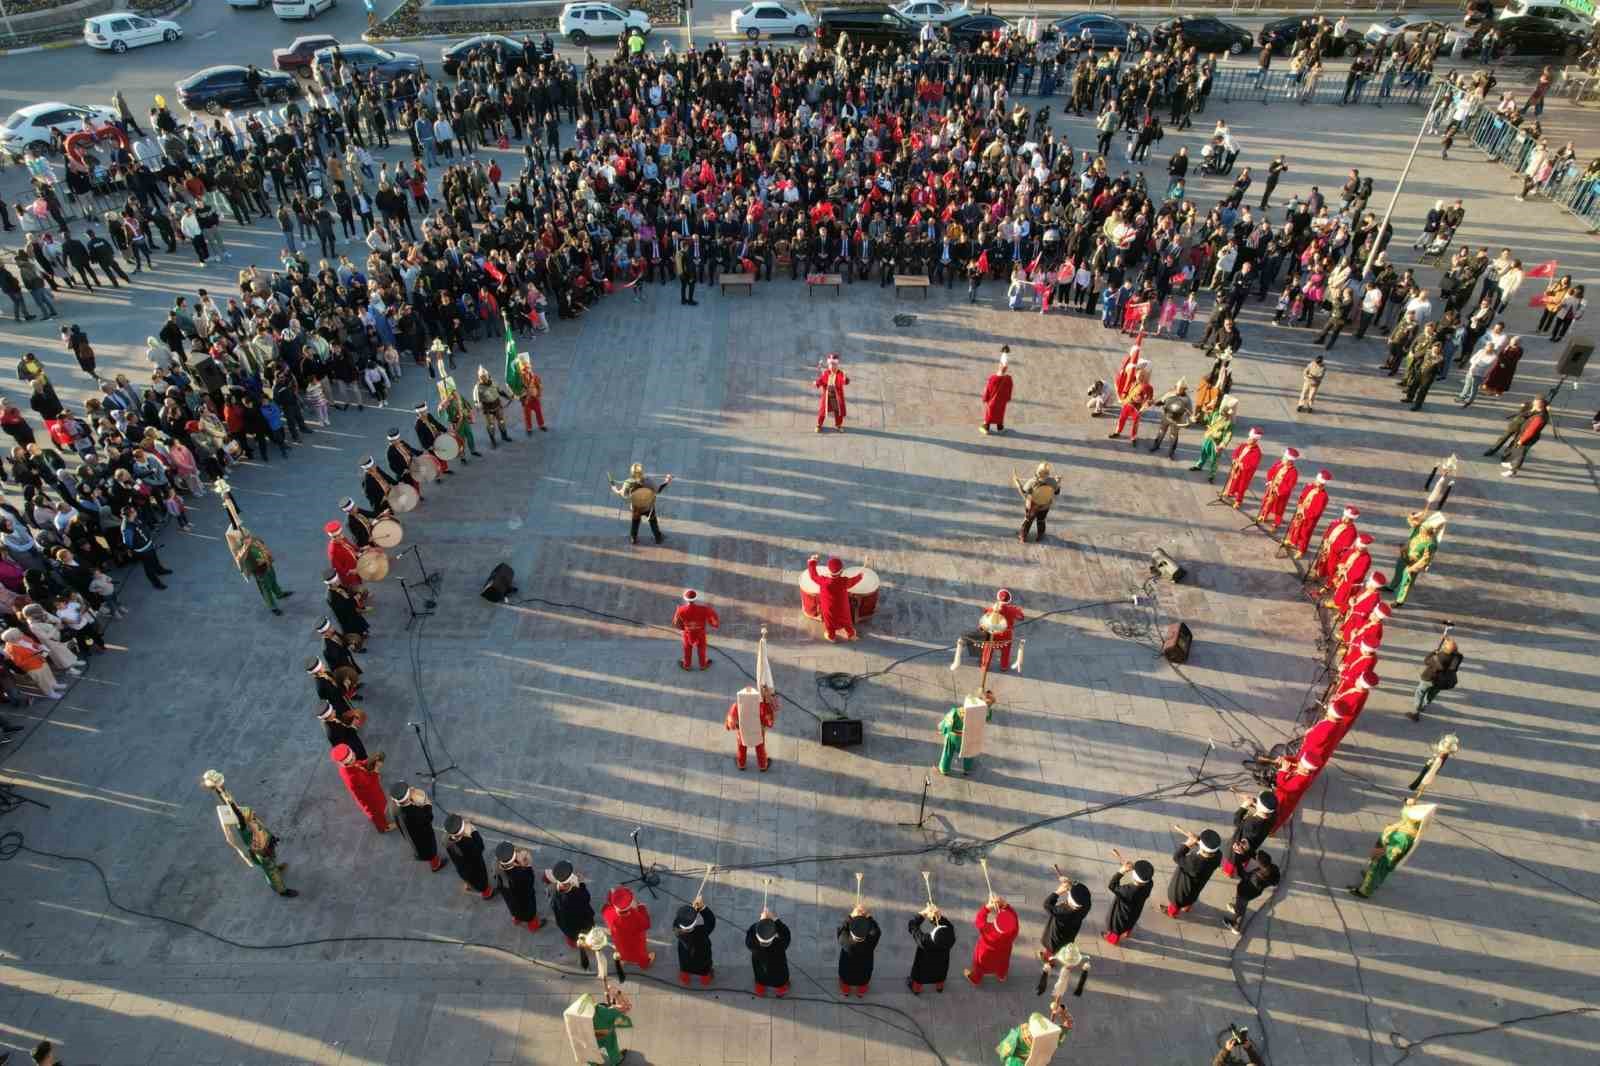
[372, 564]
[446, 447]
[423, 469]
[402, 498]
[386, 533]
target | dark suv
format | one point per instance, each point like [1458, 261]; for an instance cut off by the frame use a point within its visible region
[865, 25]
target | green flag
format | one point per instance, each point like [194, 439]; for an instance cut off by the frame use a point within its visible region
[513, 372]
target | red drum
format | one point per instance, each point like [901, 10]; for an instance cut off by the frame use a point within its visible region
[864, 597]
[810, 597]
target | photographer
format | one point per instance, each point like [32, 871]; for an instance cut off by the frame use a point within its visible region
[1238, 1051]
[1438, 675]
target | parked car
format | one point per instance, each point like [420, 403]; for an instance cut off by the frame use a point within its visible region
[512, 55]
[932, 11]
[875, 25]
[121, 31]
[296, 59]
[387, 66]
[237, 4]
[1554, 10]
[1531, 35]
[301, 9]
[971, 28]
[588, 21]
[1281, 34]
[216, 89]
[770, 19]
[1205, 32]
[1104, 32]
[29, 127]
[1382, 34]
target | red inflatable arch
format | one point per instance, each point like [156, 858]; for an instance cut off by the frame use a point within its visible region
[88, 135]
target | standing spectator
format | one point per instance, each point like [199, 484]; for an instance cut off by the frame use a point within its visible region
[1477, 368]
[190, 227]
[1527, 437]
[1310, 381]
[137, 539]
[1438, 675]
[1509, 283]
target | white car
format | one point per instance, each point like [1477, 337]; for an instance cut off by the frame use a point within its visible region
[1383, 33]
[1554, 10]
[769, 19]
[30, 126]
[301, 9]
[588, 21]
[122, 31]
[236, 4]
[932, 11]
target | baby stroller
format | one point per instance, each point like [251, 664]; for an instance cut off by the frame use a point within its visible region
[1438, 249]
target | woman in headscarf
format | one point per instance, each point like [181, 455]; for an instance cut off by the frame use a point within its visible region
[1504, 370]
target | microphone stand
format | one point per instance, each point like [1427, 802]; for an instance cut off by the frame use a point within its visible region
[648, 878]
[922, 806]
[430, 773]
[427, 604]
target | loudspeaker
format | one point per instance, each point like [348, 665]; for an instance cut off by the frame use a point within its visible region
[1574, 359]
[1175, 646]
[841, 732]
[499, 585]
[1165, 565]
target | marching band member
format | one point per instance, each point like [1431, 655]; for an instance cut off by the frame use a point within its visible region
[1364, 629]
[458, 414]
[1281, 478]
[1350, 699]
[1219, 432]
[641, 493]
[491, 399]
[1064, 912]
[1034, 1041]
[1351, 574]
[342, 602]
[1246, 457]
[1128, 370]
[336, 652]
[464, 845]
[331, 689]
[1307, 513]
[997, 927]
[999, 640]
[529, 389]
[931, 964]
[342, 729]
[997, 394]
[1395, 845]
[1038, 493]
[1252, 824]
[834, 598]
[1138, 396]
[1194, 861]
[1290, 784]
[342, 556]
[831, 383]
[1322, 739]
[954, 727]
[1417, 555]
[1128, 899]
[360, 777]
[1362, 602]
[357, 522]
[768, 941]
[694, 923]
[430, 429]
[254, 561]
[413, 813]
[570, 902]
[514, 878]
[1336, 540]
[592, 1026]
[752, 712]
[1257, 881]
[627, 921]
[374, 484]
[400, 456]
[858, 937]
[691, 619]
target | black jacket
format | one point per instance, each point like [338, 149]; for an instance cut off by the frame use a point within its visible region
[1439, 669]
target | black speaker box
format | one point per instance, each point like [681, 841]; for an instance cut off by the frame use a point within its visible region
[1175, 646]
[841, 732]
[499, 585]
[1574, 359]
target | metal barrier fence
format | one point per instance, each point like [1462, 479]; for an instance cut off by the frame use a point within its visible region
[1279, 87]
[1505, 143]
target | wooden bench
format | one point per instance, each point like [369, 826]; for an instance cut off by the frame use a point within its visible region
[911, 281]
[819, 281]
[747, 280]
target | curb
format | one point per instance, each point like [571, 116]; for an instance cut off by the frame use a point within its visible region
[77, 42]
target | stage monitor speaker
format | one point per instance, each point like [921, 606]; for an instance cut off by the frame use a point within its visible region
[1175, 646]
[499, 585]
[1165, 565]
[1574, 359]
[841, 732]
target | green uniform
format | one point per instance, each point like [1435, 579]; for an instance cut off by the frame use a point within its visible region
[1013, 1050]
[607, 1020]
[951, 727]
[1419, 549]
[264, 857]
[1219, 432]
[458, 414]
[1395, 845]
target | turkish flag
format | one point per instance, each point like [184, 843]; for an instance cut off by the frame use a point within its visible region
[1546, 269]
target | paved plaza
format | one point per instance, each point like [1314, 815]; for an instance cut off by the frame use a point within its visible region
[569, 724]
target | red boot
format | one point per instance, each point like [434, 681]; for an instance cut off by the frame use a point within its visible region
[487, 893]
[781, 991]
[1172, 910]
[761, 990]
[705, 979]
[1112, 938]
[534, 925]
[683, 979]
[436, 864]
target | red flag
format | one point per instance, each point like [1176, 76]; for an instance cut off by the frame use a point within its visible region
[1536, 300]
[983, 262]
[1546, 269]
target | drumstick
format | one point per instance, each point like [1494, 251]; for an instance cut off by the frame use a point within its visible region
[699, 892]
[1118, 854]
[927, 884]
[858, 889]
[1181, 831]
[985, 864]
[766, 883]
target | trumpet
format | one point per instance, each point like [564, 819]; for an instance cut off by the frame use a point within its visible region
[990, 884]
[859, 875]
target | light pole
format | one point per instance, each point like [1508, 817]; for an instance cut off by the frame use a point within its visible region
[1422, 127]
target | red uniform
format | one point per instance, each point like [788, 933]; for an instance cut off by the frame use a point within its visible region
[1281, 479]
[769, 715]
[1307, 513]
[342, 557]
[1362, 629]
[1351, 576]
[1289, 787]
[365, 787]
[532, 407]
[627, 921]
[1357, 664]
[1338, 539]
[1246, 457]
[992, 953]
[1128, 372]
[832, 382]
[996, 394]
[691, 619]
[1001, 641]
[1322, 739]
[834, 601]
[1351, 700]
[1134, 401]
